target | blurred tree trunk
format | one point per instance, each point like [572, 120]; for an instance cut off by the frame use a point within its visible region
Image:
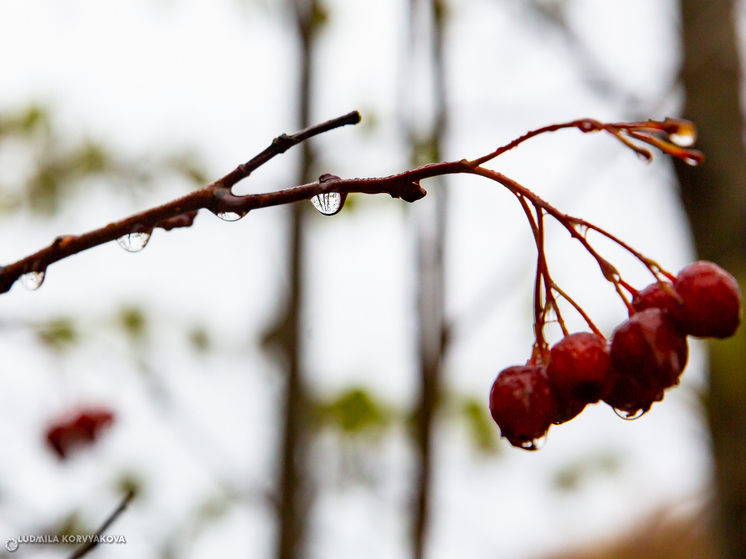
[714, 196]
[294, 493]
[429, 14]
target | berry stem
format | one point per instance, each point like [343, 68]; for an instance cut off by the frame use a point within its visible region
[579, 309]
[551, 302]
[650, 264]
[609, 272]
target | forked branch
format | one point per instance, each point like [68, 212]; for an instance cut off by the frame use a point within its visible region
[670, 136]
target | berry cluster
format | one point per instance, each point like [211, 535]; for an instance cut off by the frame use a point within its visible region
[646, 355]
[83, 429]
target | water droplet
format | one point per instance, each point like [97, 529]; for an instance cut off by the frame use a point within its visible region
[231, 216]
[33, 280]
[328, 203]
[691, 161]
[536, 444]
[629, 416]
[582, 228]
[685, 136]
[134, 242]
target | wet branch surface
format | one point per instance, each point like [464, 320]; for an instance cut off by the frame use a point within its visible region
[218, 198]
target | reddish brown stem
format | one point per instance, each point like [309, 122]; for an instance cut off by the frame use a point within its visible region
[651, 265]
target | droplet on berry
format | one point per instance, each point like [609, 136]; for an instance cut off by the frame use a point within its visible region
[710, 301]
[579, 373]
[521, 404]
[648, 353]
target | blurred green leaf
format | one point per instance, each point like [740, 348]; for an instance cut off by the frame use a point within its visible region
[572, 476]
[90, 158]
[484, 434]
[190, 167]
[133, 321]
[353, 412]
[58, 334]
[71, 525]
[129, 482]
[199, 339]
[26, 122]
[44, 189]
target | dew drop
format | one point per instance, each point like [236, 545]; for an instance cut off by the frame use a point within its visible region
[33, 280]
[685, 136]
[629, 416]
[231, 216]
[536, 444]
[582, 228]
[328, 203]
[691, 161]
[134, 242]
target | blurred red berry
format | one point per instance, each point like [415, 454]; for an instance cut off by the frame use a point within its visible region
[81, 430]
[655, 296]
[56, 438]
[579, 372]
[91, 422]
[710, 301]
[648, 353]
[521, 404]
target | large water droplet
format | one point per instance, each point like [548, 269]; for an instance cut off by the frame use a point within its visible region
[231, 216]
[134, 242]
[33, 280]
[685, 136]
[328, 203]
[629, 416]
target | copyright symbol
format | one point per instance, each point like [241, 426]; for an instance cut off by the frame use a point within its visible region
[11, 544]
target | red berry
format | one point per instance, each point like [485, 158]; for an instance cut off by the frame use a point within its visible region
[710, 301]
[648, 353]
[655, 296]
[580, 368]
[56, 438]
[82, 430]
[566, 409]
[521, 404]
[91, 422]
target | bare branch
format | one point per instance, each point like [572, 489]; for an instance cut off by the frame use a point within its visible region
[218, 198]
[86, 548]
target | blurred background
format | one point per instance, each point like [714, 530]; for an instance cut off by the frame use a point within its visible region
[293, 385]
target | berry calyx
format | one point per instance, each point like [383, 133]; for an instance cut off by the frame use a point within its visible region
[710, 301]
[521, 404]
[648, 353]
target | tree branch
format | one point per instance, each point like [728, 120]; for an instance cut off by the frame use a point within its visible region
[86, 548]
[218, 198]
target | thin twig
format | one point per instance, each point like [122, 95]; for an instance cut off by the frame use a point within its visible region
[87, 547]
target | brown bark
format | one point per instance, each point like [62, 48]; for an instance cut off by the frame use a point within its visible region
[294, 491]
[431, 280]
[714, 196]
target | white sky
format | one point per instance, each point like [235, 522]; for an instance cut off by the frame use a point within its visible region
[154, 76]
